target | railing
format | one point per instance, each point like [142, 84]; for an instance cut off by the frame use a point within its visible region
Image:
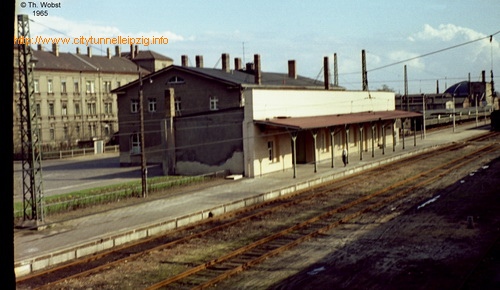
[77, 152]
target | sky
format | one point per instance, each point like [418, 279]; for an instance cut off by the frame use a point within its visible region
[441, 42]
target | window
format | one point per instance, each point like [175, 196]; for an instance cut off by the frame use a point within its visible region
[178, 106]
[270, 150]
[92, 130]
[37, 109]
[107, 130]
[65, 131]
[323, 141]
[36, 86]
[64, 109]
[51, 109]
[107, 86]
[134, 106]
[52, 133]
[76, 87]
[63, 87]
[50, 87]
[90, 87]
[118, 84]
[91, 109]
[108, 108]
[214, 103]
[18, 87]
[77, 131]
[135, 143]
[152, 105]
[175, 80]
[77, 109]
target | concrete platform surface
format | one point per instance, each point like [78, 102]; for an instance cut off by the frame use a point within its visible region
[36, 250]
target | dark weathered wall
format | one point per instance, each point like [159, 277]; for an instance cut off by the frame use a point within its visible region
[194, 93]
[212, 141]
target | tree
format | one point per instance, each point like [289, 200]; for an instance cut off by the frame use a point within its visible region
[385, 88]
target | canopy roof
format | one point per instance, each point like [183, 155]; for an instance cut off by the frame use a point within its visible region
[305, 123]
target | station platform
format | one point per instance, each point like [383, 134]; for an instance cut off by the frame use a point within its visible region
[64, 241]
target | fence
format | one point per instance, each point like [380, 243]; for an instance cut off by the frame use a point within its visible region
[77, 152]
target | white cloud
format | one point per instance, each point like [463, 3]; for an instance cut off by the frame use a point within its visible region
[61, 27]
[446, 32]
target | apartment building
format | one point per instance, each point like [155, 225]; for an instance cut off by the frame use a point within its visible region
[73, 98]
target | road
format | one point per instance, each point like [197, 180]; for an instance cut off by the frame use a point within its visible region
[73, 174]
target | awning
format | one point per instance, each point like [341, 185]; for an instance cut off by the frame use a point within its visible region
[304, 123]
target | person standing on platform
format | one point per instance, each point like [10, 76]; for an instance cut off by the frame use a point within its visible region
[344, 156]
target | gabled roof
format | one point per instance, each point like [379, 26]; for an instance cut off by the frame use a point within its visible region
[240, 78]
[305, 123]
[47, 60]
[147, 55]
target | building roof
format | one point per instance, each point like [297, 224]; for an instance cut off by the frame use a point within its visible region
[458, 89]
[241, 78]
[305, 123]
[64, 61]
[147, 55]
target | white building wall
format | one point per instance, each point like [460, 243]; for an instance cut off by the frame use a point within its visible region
[267, 103]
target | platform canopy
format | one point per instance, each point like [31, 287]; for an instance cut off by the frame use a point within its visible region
[315, 122]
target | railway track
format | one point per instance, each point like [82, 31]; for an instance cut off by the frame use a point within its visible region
[237, 260]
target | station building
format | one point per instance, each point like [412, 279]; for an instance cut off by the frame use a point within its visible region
[246, 121]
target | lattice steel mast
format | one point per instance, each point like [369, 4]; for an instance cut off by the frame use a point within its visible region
[30, 130]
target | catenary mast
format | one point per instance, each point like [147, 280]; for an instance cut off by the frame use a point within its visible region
[30, 140]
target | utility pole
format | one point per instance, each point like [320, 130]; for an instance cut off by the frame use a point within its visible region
[424, 97]
[363, 68]
[453, 112]
[406, 91]
[336, 71]
[144, 169]
[30, 139]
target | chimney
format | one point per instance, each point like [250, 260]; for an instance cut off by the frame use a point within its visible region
[483, 76]
[184, 60]
[326, 73]
[292, 69]
[199, 61]
[77, 50]
[237, 63]
[108, 52]
[258, 76]
[132, 54]
[89, 51]
[225, 62]
[118, 52]
[55, 49]
[39, 47]
[136, 50]
[249, 67]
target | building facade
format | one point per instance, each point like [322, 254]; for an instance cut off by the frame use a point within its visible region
[73, 99]
[243, 120]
